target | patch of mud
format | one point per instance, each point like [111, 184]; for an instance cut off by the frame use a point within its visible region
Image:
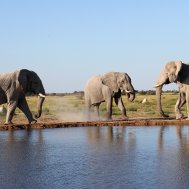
[130, 122]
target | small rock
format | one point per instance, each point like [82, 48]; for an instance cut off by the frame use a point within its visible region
[144, 101]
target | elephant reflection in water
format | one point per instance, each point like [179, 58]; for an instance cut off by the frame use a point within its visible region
[112, 135]
[108, 134]
[19, 148]
[27, 136]
[181, 137]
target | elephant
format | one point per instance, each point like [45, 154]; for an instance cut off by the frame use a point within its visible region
[103, 88]
[177, 72]
[14, 87]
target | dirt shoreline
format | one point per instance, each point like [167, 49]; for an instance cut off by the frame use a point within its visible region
[131, 122]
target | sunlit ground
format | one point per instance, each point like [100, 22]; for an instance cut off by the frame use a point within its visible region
[71, 108]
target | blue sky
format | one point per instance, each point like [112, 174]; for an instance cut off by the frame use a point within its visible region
[67, 41]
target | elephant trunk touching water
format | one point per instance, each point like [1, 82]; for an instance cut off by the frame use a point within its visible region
[177, 72]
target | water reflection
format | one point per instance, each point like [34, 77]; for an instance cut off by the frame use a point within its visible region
[95, 157]
[117, 138]
[108, 134]
[181, 134]
[174, 155]
[22, 153]
[26, 135]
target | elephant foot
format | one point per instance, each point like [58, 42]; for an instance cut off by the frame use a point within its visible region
[109, 119]
[179, 116]
[32, 122]
[8, 123]
[164, 115]
[186, 118]
[124, 118]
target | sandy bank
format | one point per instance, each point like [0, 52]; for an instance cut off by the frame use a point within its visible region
[131, 122]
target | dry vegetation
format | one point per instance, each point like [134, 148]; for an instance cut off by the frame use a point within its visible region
[71, 108]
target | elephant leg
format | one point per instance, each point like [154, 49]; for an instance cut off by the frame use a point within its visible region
[87, 110]
[121, 107]
[109, 108]
[187, 104]
[23, 106]
[11, 107]
[180, 102]
[88, 114]
[96, 109]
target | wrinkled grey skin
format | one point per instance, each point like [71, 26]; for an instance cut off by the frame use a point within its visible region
[13, 88]
[183, 88]
[177, 72]
[103, 88]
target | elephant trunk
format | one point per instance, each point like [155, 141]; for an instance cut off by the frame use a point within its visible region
[130, 93]
[131, 96]
[158, 98]
[41, 99]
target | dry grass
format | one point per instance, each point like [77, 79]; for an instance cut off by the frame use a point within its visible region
[58, 107]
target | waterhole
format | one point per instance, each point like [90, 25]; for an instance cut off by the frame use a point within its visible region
[95, 157]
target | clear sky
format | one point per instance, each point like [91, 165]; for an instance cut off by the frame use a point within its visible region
[67, 41]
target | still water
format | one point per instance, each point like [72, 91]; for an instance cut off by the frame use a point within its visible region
[95, 157]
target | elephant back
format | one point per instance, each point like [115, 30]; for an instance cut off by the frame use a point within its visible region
[7, 80]
[93, 90]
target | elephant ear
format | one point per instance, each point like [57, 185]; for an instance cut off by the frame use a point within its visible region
[110, 80]
[178, 66]
[24, 80]
[162, 79]
[183, 74]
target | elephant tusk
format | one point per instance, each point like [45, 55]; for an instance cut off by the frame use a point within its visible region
[128, 91]
[41, 95]
[158, 85]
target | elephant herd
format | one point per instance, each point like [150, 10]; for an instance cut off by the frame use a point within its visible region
[16, 85]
